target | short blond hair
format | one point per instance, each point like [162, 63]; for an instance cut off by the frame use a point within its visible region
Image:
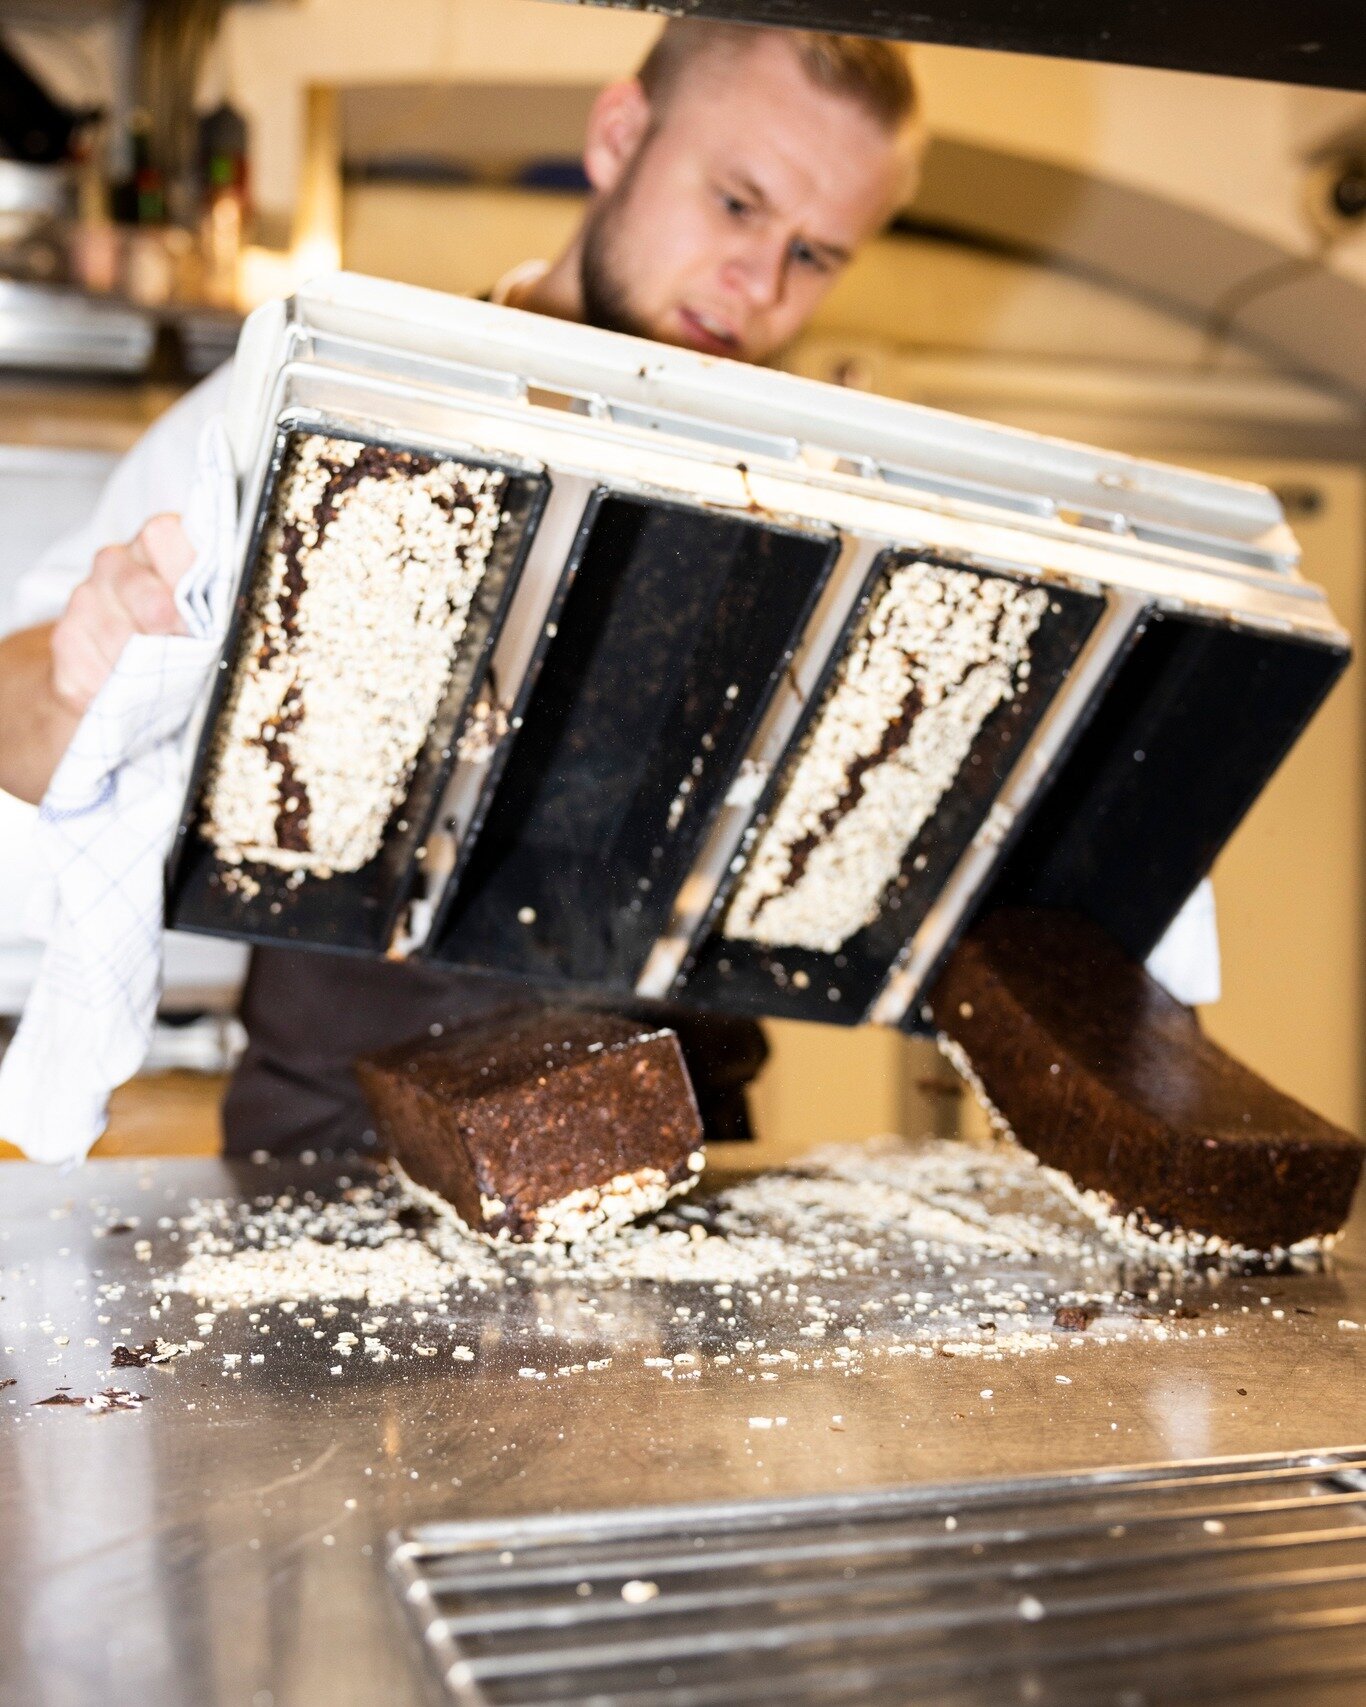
[876, 74]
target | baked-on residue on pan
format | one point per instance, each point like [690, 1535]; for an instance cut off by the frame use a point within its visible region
[367, 570]
[939, 650]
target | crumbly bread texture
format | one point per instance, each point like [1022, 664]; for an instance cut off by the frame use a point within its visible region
[370, 562]
[549, 1125]
[940, 650]
[1101, 1074]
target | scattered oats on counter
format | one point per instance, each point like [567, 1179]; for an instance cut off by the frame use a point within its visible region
[155, 1351]
[353, 1249]
[857, 1257]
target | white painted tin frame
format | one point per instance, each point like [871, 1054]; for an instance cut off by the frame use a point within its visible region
[594, 409]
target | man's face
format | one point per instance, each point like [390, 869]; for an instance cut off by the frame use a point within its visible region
[726, 226]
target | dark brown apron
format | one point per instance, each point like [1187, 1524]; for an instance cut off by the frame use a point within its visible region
[309, 1015]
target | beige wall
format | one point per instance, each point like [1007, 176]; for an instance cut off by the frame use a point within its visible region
[271, 53]
[450, 239]
[825, 1084]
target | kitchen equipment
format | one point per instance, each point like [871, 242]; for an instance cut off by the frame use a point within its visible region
[46, 329]
[362, 910]
[701, 577]
[32, 197]
[35, 129]
[1160, 1583]
[1321, 46]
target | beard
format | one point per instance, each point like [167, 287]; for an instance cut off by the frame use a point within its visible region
[602, 281]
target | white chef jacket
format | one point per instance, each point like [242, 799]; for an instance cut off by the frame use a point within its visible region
[156, 475]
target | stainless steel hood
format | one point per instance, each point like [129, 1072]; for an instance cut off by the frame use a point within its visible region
[1319, 42]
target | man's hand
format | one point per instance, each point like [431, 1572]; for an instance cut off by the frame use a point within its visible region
[49, 675]
[131, 591]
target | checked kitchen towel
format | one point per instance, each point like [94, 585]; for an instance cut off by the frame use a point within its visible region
[104, 829]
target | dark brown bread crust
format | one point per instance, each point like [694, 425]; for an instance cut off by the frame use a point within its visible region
[1101, 1073]
[521, 1111]
[724, 1054]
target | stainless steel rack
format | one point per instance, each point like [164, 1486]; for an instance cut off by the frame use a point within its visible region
[1213, 1580]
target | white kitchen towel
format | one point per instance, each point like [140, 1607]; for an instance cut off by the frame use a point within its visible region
[104, 828]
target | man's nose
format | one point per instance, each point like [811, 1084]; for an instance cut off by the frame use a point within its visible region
[757, 269]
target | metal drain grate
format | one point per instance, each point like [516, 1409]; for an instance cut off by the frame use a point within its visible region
[1215, 1580]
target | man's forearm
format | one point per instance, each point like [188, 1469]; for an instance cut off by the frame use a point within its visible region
[35, 726]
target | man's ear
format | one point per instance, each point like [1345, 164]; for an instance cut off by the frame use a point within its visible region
[617, 125]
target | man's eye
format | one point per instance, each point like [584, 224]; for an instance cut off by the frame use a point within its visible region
[806, 257]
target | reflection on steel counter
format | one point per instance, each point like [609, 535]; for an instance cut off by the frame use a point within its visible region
[227, 1537]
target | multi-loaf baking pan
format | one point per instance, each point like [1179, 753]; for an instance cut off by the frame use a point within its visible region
[727, 687]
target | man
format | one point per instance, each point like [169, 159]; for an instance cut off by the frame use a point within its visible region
[732, 180]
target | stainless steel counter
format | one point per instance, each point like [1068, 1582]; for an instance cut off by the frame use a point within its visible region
[224, 1542]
